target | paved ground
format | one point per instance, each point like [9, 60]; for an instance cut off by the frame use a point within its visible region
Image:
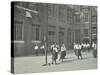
[33, 64]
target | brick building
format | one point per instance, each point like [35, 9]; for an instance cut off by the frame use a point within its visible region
[35, 21]
[89, 23]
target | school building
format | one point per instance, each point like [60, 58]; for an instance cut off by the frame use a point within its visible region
[36, 22]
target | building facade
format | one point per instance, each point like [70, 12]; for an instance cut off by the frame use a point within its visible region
[89, 23]
[35, 22]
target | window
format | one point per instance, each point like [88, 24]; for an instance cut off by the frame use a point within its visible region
[50, 10]
[94, 30]
[61, 13]
[86, 32]
[77, 36]
[51, 35]
[51, 28]
[70, 15]
[85, 17]
[35, 32]
[61, 37]
[94, 19]
[69, 38]
[61, 29]
[18, 30]
[61, 34]
[77, 18]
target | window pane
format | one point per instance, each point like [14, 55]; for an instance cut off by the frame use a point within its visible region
[35, 32]
[18, 30]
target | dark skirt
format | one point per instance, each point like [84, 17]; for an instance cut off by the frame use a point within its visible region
[94, 53]
[54, 55]
[63, 54]
[76, 53]
[79, 53]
